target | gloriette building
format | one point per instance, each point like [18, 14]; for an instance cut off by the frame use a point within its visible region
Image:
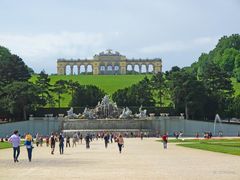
[108, 62]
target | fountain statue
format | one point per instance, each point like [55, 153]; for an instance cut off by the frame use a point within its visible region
[126, 113]
[217, 119]
[88, 114]
[107, 109]
[70, 114]
[142, 113]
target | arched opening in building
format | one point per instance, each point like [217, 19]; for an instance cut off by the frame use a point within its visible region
[89, 69]
[150, 68]
[136, 68]
[109, 68]
[102, 68]
[82, 69]
[68, 70]
[143, 68]
[116, 69]
[129, 67]
[75, 70]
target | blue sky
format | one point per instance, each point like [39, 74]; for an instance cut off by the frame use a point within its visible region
[177, 31]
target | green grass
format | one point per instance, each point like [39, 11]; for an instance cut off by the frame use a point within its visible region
[108, 83]
[4, 145]
[228, 146]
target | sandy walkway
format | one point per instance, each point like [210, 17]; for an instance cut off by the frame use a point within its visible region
[140, 160]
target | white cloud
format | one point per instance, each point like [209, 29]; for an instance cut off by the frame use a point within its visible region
[45, 45]
[180, 46]
[41, 51]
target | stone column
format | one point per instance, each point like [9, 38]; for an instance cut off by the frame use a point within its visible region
[61, 68]
[71, 69]
[132, 68]
[64, 70]
[85, 67]
[140, 68]
[79, 69]
[113, 70]
[146, 68]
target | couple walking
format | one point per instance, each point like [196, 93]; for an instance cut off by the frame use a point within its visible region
[16, 141]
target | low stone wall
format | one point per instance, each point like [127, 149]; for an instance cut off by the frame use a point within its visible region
[153, 126]
[46, 125]
[112, 124]
[41, 125]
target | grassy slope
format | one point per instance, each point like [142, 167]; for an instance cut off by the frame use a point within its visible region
[109, 83]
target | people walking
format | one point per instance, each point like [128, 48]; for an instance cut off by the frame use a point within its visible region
[37, 139]
[47, 141]
[52, 143]
[106, 140]
[28, 144]
[120, 142]
[111, 137]
[15, 140]
[75, 139]
[81, 138]
[165, 140]
[87, 139]
[61, 143]
[141, 135]
[68, 141]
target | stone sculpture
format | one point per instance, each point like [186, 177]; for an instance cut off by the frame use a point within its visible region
[142, 113]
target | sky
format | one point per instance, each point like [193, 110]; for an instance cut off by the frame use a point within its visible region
[41, 32]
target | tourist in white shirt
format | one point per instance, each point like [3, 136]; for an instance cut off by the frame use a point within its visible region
[15, 140]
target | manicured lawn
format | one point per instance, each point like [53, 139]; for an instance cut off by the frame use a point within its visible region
[4, 145]
[108, 83]
[228, 146]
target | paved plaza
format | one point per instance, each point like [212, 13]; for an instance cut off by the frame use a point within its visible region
[144, 159]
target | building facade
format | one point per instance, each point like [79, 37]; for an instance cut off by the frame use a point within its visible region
[108, 62]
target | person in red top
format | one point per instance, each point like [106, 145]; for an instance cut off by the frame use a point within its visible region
[165, 140]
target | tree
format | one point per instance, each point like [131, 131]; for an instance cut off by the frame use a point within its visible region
[159, 85]
[188, 94]
[43, 83]
[219, 88]
[235, 106]
[224, 54]
[72, 86]
[18, 98]
[87, 95]
[136, 95]
[13, 69]
[237, 67]
[60, 88]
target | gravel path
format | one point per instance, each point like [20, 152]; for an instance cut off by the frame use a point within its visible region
[144, 159]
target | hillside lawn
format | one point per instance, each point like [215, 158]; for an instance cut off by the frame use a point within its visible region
[110, 83]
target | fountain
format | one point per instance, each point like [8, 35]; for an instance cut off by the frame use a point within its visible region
[217, 119]
[106, 109]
